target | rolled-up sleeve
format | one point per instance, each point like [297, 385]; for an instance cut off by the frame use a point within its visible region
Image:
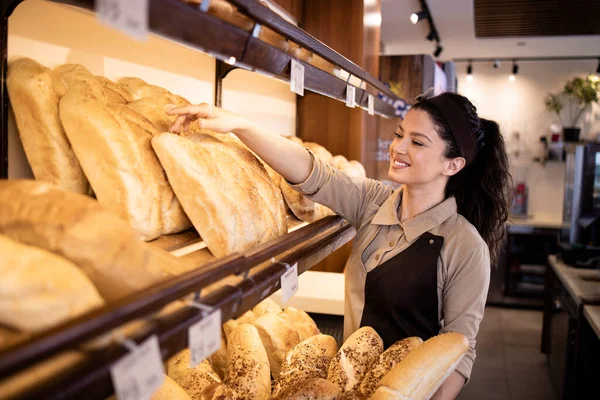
[347, 196]
[464, 300]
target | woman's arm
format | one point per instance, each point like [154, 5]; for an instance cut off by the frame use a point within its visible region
[450, 388]
[289, 159]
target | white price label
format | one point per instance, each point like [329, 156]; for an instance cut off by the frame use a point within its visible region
[128, 16]
[289, 283]
[204, 338]
[140, 373]
[371, 105]
[297, 78]
[350, 96]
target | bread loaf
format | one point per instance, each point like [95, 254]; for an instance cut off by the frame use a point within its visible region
[245, 318]
[323, 64]
[320, 152]
[277, 337]
[266, 306]
[247, 364]
[359, 169]
[299, 52]
[218, 360]
[302, 322]
[308, 359]
[387, 360]
[78, 77]
[303, 208]
[82, 231]
[228, 13]
[39, 289]
[311, 389]
[339, 162]
[424, 369]
[355, 358]
[193, 380]
[116, 159]
[170, 390]
[224, 190]
[114, 92]
[34, 92]
[218, 391]
[352, 395]
[295, 139]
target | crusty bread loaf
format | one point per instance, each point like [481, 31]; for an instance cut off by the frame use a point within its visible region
[228, 13]
[140, 89]
[278, 337]
[339, 161]
[39, 289]
[424, 369]
[78, 77]
[352, 395]
[170, 390]
[355, 358]
[34, 92]
[218, 359]
[247, 364]
[114, 92]
[387, 360]
[319, 151]
[359, 169]
[323, 64]
[299, 52]
[224, 190]
[218, 391]
[302, 322]
[84, 232]
[303, 208]
[308, 359]
[193, 380]
[266, 306]
[116, 159]
[245, 318]
[311, 389]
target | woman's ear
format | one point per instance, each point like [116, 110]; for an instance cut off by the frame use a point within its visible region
[454, 166]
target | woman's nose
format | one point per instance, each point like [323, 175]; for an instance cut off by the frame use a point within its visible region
[399, 146]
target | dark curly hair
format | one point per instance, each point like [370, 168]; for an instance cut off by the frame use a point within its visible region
[483, 189]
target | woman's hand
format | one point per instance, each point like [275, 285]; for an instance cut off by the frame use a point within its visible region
[207, 117]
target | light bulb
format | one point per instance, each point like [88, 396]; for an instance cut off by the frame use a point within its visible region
[511, 78]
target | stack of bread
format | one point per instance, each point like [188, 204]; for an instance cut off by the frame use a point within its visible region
[270, 353]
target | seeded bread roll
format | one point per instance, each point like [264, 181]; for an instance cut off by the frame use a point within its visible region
[424, 369]
[218, 359]
[193, 380]
[355, 358]
[278, 337]
[245, 318]
[170, 390]
[352, 395]
[247, 364]
[302, 322]
[387, 360]
[308, 359]
[266, 306]
[311, 389]
[219, 391]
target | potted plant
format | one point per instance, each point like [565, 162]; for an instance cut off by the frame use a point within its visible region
[580, 94]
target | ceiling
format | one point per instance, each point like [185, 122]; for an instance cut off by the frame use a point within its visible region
[455, 23]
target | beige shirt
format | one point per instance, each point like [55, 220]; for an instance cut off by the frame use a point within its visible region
[463, 272]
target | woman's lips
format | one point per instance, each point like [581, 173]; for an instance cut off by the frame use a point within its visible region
[400, 164]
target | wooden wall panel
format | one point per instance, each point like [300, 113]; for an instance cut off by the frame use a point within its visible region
[404, 74]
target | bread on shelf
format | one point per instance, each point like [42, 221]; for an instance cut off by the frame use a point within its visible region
[278, 337]
[192, 379]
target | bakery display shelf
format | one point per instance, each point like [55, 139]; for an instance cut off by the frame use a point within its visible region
[88, 376]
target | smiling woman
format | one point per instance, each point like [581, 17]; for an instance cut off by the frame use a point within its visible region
[420, 263]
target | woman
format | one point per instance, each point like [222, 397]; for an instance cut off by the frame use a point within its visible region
[420, 264]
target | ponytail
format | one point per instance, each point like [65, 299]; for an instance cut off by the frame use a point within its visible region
[483, 188]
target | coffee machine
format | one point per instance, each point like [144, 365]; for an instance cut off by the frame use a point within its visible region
[580, 241]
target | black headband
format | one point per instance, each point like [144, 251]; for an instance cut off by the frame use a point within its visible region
[454, 115]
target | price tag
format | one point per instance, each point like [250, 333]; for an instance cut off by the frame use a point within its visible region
[371, 105]
[128, 16]
[204, 338]
[140, 373]
[297, 78]
[289, 283]
[350, 96]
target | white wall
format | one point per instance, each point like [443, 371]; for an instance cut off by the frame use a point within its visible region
[53, 34]
[519, 106]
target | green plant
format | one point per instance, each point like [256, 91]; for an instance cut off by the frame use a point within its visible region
[580, 94]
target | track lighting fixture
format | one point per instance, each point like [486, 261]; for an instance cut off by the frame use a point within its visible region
[438, 50]
[598, 68]
[515, 69]
[416, 17]
[496, 64]
[470, 72]
[433, 36]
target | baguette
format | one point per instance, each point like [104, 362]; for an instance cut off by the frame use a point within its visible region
[193, 380]
[308, 359]
[354, 359]
[83, 231]
[302, 207]
[424, 369]
[248, 364]
[387, 360]
[302, 322]
[278, 338]
[311, 389]
[39, 289]
[245, 318]
[34, 92]
[170, 390]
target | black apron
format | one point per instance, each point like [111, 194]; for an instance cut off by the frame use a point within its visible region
[401, 294]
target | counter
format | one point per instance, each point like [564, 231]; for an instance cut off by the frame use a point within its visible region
[534, 221]
[592, 315]
[577, 281]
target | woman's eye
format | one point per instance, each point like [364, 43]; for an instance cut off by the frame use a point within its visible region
[398, 135]
[417, 143]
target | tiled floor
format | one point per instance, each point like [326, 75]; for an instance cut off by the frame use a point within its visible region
[509, 364]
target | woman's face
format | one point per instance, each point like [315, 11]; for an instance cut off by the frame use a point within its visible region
[417, 152]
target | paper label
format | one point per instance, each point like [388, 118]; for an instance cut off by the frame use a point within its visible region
[371, 105]
[350, 96]
[297, 78]
[289, 283]
[127, 16]
[140, 373]
[204, 338]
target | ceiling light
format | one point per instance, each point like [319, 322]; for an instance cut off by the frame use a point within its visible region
[511, 78]
[515, 69]
[372, 19]
[438, 50]
[416, 17]
[496, 64]
[432, 36]
[470, 72]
